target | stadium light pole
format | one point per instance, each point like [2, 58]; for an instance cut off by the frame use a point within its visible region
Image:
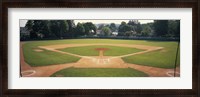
[176, 58]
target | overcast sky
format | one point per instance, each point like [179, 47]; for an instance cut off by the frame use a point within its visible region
[23, 22]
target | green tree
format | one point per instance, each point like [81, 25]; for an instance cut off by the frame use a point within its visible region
[64, 28]
[90, 28]
[174, 28]
[129, 33]
[121, 27]
[177, 34]
[80, 30]
[146, 31]
[71, 25]
[138, 28]
[36, 28]
[44, 29]
[113, 27]
[124, 28]
[161, 28]
[54, 27]
[123, 23]
[132, 22]
[106, 31]
[29, 27]
[59, 27]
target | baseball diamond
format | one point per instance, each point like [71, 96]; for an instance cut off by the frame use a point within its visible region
[98, 58]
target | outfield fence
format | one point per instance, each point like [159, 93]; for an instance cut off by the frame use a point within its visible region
[135, 38]
[110, 37]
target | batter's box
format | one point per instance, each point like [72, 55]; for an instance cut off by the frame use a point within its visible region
[101, 61]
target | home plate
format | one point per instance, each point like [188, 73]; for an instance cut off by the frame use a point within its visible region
[100, 62]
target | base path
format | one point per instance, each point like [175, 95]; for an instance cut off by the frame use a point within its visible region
[61, 46]
[25, 68]
[143, 47]
[45, 71]
[100, 61]
[153, 71]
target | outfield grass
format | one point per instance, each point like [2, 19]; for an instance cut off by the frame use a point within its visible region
[99, 72]
[90, 50]
[164, 58]
[45, 57]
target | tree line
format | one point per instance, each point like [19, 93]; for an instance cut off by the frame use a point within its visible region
[59, 29]
[159, 28]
